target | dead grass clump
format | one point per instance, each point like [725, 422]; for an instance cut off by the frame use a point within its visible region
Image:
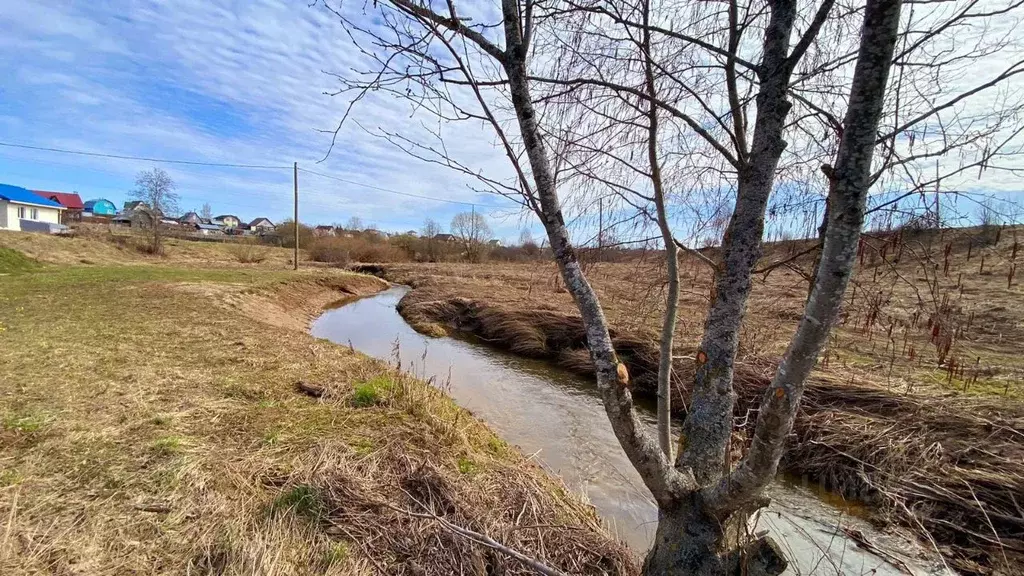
[949, 467]
[383, 504]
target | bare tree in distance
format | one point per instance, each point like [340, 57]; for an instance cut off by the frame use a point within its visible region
[206, 213]
[527, 243]
[720, 100]
[156, 188]
[473, 232]
[431, 228]
[355, 224]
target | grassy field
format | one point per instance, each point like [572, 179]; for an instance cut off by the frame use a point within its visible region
[917, 406]
[150, 423]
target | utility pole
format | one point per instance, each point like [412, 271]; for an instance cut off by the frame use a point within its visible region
[295, 180]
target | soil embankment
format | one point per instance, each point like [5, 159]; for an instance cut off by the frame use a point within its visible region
[948, 466]
[161, 402]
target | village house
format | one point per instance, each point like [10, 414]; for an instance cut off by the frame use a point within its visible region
[71, 202]
[190, 219]
[323, 230]
[99, 207]
[137, 214]
[21, 209]
[262, 226]
[208, 229]
[229, 221]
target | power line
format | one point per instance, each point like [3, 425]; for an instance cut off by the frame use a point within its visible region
[226, 165]
[389, 191]
[143, 158]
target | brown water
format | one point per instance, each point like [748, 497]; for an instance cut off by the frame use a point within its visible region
[557, 417]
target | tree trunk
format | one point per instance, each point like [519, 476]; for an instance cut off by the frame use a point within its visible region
[668, 326]
[612, 378]
[708, 428]
[846, 218]
[690, 542]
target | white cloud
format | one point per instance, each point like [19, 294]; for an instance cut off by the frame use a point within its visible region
[218, 81]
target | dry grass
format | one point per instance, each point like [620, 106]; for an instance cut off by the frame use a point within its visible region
[916, 406]
[149, 423]
[122, 248]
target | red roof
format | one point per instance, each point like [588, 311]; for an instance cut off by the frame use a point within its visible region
[65, 199]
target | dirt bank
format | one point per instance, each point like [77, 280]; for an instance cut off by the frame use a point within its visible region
[150, 423]
[948, 466]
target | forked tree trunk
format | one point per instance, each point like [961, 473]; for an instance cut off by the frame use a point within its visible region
[691, 538]
[691, 542]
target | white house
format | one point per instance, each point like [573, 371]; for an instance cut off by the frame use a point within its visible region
[21, 209]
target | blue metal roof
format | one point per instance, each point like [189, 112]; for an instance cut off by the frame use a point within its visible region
[21, 195]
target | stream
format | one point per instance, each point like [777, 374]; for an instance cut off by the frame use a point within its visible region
[558, 418]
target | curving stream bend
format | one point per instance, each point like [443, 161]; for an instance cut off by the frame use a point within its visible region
[558, 417]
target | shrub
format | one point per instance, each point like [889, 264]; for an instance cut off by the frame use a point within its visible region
[334, 250]
[330, 250]
[249, 251]
[286, 232]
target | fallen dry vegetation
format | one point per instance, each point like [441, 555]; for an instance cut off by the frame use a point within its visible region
[915, 407]
[150, 422]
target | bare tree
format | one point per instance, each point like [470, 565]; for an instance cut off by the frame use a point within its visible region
[473, 233]
[207, 212]
[156, 188]
[527, 243]
[354, 224]
[431, 228]
[729, 108]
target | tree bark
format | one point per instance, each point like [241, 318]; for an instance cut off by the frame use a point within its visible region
[689, 542]
[847, 206]
[708, 426]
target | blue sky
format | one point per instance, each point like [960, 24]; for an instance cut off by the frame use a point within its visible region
[218, 81]
[238, 82]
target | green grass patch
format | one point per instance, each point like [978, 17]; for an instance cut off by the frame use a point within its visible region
[167, 445]
[466, 466]
[303, 500]
[9, 477]
[13, 261]
[336, 553]
[497, 446]
[272, 437]
[372, 392]
[22, 423]
[363, 446]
